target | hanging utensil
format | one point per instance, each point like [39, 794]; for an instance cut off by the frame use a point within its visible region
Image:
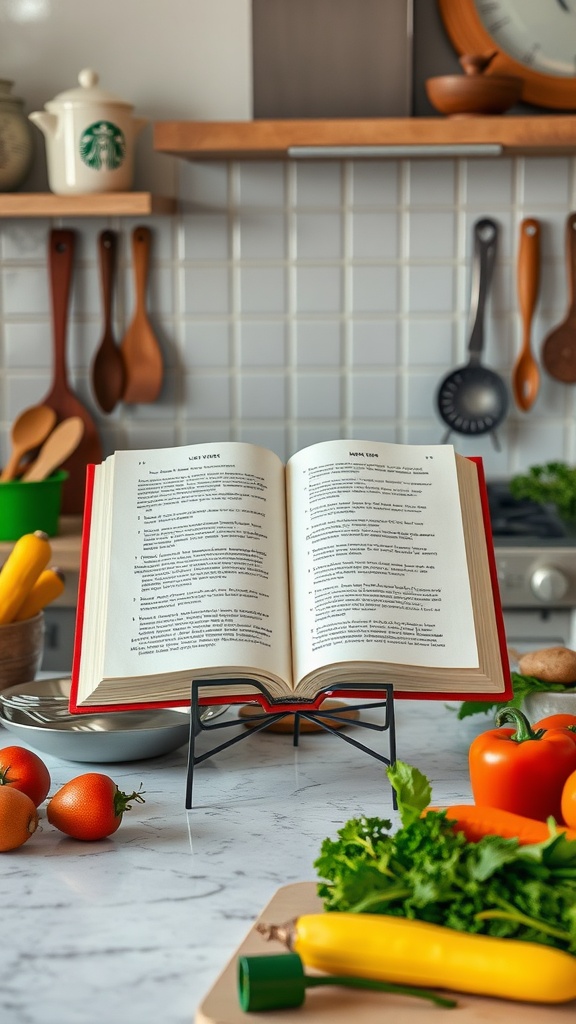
[140, 348]
[108, 373]
[559, 347]
[57, 447]
[525, 373]
[29, 430]
[472, 399]
[60, 396]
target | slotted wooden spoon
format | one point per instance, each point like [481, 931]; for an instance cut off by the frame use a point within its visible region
[140, 347]
[108, 373]
[526, 374]
[29, 430]
[559, 347]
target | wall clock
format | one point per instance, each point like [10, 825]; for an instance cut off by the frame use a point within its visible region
[535, 40]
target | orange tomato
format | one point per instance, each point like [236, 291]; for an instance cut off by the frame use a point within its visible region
[568, 801]
[18, 818]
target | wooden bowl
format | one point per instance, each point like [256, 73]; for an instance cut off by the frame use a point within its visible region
[473, 95]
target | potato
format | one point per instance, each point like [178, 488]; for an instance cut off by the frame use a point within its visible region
[550, 665]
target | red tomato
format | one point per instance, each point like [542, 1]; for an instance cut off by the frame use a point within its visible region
[89, 807]
[568, 803]
[24, 770]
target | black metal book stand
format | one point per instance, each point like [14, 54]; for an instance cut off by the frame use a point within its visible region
[296, 707]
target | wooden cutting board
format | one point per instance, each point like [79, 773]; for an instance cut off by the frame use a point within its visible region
[340, 1005]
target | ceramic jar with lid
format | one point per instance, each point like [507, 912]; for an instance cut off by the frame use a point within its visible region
[90, 136]
[16, 143]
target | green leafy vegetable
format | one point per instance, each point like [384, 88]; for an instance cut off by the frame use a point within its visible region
[553, 483]
[521, 687]
[429, 872]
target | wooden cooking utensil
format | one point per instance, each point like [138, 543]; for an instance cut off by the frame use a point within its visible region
[525, 374]
[108, 373]
[63, 440]
[139, 346]
[559, 347]
[60, 397]
[29, 430]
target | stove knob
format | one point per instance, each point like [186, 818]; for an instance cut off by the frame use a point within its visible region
[549, 584]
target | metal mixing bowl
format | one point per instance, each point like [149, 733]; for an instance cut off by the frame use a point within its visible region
[36, 713]
[549, 702]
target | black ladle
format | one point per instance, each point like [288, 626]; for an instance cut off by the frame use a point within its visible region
[472, 399]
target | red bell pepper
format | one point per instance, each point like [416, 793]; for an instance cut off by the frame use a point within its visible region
[521, 769]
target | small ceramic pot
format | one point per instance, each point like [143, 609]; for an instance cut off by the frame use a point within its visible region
[21, 650]
[90, 136]
[16, 143]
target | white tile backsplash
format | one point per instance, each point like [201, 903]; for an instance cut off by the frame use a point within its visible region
[300, 301]
[261, 289]
[375, 235]
[318, 289]
[318, 396]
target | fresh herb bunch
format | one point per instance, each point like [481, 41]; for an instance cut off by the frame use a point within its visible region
[521, 687]
[553, 483]
[428, 872]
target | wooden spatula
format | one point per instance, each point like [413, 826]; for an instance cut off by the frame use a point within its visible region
[63, 440]
[139, 347]
[525, 373]
[559, 347]
[60, 397]
[29, 430]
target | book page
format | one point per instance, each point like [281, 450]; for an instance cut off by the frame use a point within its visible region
[198, 565]
[378, 570]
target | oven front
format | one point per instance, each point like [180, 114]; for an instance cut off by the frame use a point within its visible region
[538, 595]
[535, 555]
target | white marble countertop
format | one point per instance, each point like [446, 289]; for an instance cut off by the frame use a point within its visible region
[134, 929]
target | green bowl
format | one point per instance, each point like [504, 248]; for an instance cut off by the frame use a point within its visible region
[29, 506]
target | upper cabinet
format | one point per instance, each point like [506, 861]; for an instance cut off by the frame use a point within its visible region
[544, 134]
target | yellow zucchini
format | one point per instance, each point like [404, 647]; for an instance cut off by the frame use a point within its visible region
[29, 556]
[47, 588]
[408, 952]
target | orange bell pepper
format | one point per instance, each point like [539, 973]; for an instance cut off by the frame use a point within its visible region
[521, 769]
[558, 721]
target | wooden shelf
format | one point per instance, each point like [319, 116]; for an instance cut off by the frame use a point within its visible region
[102, 204]
[410, 136]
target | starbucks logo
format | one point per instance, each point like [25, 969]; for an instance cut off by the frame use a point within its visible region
[103, 146]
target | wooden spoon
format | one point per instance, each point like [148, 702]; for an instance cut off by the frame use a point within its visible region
[108, 373]
[139, 346]
[63, 440]
[29, 430]
[525, 374]
[559, 347]
[61, 397]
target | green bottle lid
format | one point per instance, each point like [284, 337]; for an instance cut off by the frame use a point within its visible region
[272, 982]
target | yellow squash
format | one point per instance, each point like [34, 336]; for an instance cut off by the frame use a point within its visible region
[29, 556]
[417, 953]
[49, 585]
